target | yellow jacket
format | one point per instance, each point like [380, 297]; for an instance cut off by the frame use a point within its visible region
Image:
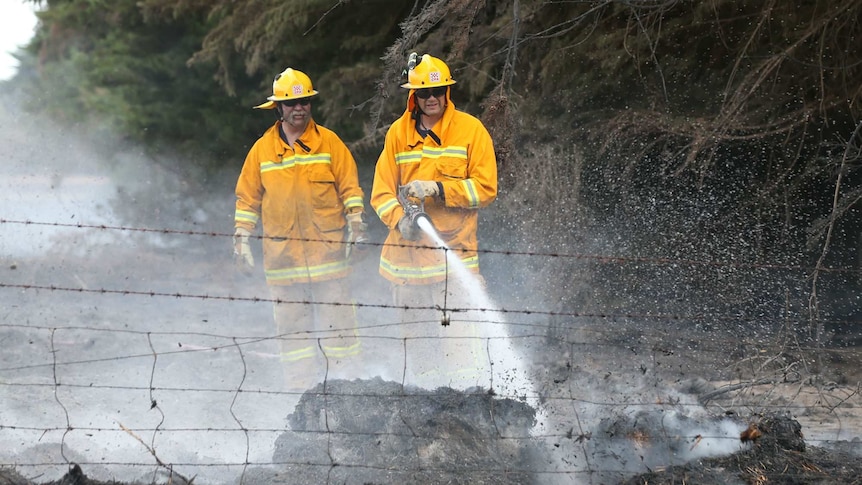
[301, 195]
[465, 164]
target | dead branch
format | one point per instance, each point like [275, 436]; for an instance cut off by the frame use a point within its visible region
[813, 310]
[159, 461]
[706, 397]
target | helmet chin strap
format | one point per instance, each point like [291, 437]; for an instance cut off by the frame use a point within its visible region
[417, 117]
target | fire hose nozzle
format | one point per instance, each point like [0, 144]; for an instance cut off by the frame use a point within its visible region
[413, 209]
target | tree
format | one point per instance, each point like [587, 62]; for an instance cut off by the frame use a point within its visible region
[647, 121]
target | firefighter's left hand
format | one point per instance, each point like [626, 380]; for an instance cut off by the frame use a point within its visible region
[356, 228]
[407, 229]
[422, 188]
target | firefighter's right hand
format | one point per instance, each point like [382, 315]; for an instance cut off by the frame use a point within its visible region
[408, 230]
[242, 257]
[422, 188]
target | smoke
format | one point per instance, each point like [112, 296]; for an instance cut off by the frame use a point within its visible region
[638, 440]
[128, 351]
[99, 369]
[54, 182]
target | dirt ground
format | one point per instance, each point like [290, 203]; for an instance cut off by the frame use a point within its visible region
[131, 367]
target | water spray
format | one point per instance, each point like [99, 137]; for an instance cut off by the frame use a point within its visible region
[508, 371]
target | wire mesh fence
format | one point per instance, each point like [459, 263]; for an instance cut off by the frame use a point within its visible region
[138, 354]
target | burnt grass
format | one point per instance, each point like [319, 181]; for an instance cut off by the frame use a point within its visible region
[454, 437]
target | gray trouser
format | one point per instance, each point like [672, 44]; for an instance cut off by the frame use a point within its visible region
[316, 328]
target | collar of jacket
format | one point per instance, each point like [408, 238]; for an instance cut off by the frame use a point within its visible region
[309, 142]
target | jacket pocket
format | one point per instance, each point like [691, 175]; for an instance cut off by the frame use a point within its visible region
[322, 187]
[452, 168]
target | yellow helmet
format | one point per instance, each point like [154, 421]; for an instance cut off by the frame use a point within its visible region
[429, 72]
[290, 84]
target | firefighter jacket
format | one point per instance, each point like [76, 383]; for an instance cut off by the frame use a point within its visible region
[461, 157]
[300, 194]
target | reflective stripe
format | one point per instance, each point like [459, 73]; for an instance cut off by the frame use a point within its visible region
[387, 206]
[449, 152]
[430, 152]
[341, 351]
[470, 189]
[246, 216]
[296, 159]
[299, 354]
[352, 202]
[412, 272]
[305, 272]
[329, 351]
[408, 157]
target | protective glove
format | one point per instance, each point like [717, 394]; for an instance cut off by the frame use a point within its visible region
[408, 230]
[242, 257]
[422, 188]
[356, 228]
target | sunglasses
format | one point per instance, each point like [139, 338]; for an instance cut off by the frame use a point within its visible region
[426, 93]
[290, 103]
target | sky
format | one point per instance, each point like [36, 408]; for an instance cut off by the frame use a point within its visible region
[17, 21]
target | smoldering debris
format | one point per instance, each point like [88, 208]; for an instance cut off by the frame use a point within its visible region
[75, 476]
[777, 454]
[374, 431]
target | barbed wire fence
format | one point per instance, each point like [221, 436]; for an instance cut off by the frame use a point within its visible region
[144, 368]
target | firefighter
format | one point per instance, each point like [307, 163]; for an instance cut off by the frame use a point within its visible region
[300, 183]
[444, 158]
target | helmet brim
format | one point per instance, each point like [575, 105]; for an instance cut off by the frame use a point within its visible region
[267, 105]
[273, 100]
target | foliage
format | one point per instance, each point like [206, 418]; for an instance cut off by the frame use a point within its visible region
[652, 121]
[262, 37]
[127, 74]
